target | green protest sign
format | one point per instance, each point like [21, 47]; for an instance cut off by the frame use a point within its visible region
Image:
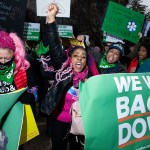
[65, 31]
[11, 116]
[111, 38]
[8, 100]
[31, 31]
[123, 22]
[13, 125]
[116, 111]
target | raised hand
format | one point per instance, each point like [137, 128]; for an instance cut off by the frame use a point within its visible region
[52, 12]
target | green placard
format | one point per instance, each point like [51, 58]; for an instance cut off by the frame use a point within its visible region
[31, 31]
[123, 22]
[13, 125]
[115, 110]
[65, 31]
[11, 117]
[8, 100]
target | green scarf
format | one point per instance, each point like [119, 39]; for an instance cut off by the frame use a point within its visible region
[42, 49]
[7, 74]
[104, 64]
[141, 62]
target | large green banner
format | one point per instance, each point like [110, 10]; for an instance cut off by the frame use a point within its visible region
[11, 119]
[123, 22]
[8, 100]
[13, 125]
[116, 111]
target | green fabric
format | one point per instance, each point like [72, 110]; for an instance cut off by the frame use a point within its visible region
[7, 100]
[7, 74]
[112, 108]
[104, 64]
[141, 62]
[13, 126]
[42, 49]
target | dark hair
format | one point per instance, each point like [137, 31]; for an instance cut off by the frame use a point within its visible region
[76, 47]
[146, 43]
[89, 59]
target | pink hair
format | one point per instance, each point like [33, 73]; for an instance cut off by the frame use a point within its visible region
[19, 55]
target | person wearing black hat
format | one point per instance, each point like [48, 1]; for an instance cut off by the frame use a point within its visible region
[141, 63]
[110, 63]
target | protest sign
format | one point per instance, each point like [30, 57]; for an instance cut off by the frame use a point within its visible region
[65, 31]
[111, 38]
[115, 110]
[64, 7]
[12, 15]
[31, 31]
[12, 126]
[29, 127]
[11, 116]
[8, 100]
[123, 22]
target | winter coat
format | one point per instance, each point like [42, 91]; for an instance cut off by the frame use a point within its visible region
[63, 77]
[139, 68]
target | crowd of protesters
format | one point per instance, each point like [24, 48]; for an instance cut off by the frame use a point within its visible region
[52, 73]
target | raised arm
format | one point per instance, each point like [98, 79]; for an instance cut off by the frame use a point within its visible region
[53, 39]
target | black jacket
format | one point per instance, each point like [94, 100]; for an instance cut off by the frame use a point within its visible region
[58, 57]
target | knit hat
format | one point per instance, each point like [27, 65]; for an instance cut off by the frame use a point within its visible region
[6, 41]
[117, 46]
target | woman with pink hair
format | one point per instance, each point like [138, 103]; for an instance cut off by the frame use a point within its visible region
[15, 69]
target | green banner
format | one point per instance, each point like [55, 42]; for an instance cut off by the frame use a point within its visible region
[11, 117]
[13, 125]
[65, 31]
[31, 31]
[8, 100]
[116, 111]
[123, 22]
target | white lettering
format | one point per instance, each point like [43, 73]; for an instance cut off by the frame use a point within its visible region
[122, 104]
[138, 105]
[123, 83]
[135, 82]
[143, 131]
[122, 127]
[147, 80]
[148, 122]
[148, 103]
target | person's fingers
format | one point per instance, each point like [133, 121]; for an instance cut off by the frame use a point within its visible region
[50, 7]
